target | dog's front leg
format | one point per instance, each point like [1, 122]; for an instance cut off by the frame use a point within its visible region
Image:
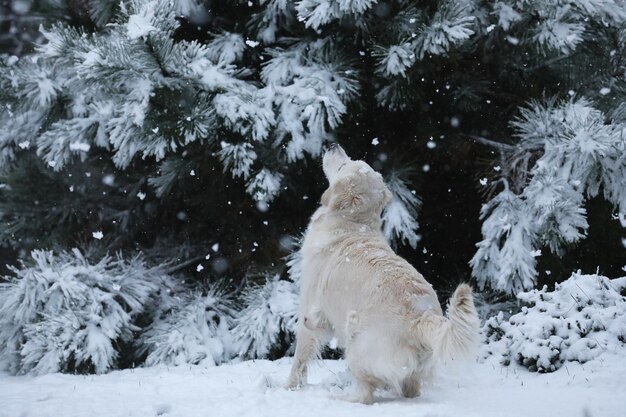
[308, 342]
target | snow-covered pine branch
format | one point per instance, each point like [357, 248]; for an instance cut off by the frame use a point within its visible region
[310, 85]
[317, 13]
[554, 25]
[265, 185]
[400, 216]
[67, 314]
[451, 25]
[123, 88]
[505, 257]
[268, 320]
[294, 261]
[275, 14]
[413, 35]
[238, 158]
[581, 154]
[196, 330]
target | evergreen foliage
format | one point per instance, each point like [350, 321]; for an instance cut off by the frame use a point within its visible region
[67, 314]
[583, 317]
[581, 154]
[195, 330]
[268, 320]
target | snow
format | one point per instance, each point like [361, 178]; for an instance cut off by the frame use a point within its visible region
[138, 26]
[253, 388]
[80, 146]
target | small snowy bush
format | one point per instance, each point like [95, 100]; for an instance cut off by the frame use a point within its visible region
[66, 314]
[195, 331]
[580, 319]
[268, 321]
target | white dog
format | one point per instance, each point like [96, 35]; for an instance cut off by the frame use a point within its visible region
[355, 288]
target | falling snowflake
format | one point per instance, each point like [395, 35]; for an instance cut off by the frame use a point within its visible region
[98, 235]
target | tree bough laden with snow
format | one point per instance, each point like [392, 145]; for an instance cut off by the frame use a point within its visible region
[135, 91]
[554, 25]
[195, 330]
[400, 216]
[66, 314]
[270, 314]
[581, 153]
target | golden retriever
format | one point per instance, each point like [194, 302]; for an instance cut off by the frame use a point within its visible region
[354, 287]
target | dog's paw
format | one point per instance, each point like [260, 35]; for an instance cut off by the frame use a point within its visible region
[293, 384]
[354, 398]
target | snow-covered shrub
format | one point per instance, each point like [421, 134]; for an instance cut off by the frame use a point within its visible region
[194, 331]
[580, 319]
[268, 321]
[66, 314]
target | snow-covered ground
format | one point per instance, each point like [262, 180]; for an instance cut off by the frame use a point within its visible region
[253, 388]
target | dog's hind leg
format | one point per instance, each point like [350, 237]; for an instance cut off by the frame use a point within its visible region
[411, 386]
[364, 390]
[308, 343]
[315, 320]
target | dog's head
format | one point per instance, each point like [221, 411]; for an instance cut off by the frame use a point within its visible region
[354, 189]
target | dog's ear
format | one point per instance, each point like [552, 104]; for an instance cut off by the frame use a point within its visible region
[341, 195]
[326, 196]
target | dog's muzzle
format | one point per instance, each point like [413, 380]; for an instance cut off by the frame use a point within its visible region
[334, 157]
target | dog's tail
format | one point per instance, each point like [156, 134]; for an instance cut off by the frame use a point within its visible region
[456, 337]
